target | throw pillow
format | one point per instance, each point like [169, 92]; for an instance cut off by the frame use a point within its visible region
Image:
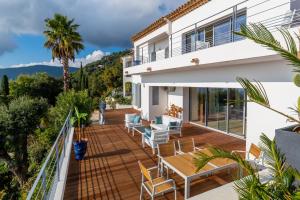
[172, 124]
[137, 119]
[148, 132]
[131, 118]
[158, 120]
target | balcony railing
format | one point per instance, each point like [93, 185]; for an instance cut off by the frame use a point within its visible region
[46, 184]
[204, 34]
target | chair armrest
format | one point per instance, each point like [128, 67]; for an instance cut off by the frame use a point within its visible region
[238, 151]
[164, 182]
[198, 148]
[152, 168]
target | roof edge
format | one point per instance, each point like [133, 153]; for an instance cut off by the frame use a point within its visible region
[172, 16]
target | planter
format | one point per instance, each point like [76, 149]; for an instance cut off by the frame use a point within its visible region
[289, 143]
[80, 149]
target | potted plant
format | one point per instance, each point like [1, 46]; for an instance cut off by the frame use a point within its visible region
[288, 138]
[80, 144]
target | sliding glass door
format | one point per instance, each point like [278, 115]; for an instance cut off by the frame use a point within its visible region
[236, 111]
[197, 105]
[219, 108]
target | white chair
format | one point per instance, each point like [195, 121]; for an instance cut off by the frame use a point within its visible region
[155, 186]
[128, 122]
[165, 125]
[157, 137]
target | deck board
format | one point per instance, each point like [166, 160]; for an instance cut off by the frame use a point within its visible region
[110, 170]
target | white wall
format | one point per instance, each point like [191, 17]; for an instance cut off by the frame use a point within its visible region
[276, 76]
[176, 97]
[157, 110]
[261, 120]
[145, 101]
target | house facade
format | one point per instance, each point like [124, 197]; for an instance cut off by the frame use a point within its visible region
[191, 58]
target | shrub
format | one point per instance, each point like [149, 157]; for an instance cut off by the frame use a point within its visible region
[66, 101]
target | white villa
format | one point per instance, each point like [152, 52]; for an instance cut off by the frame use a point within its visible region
[191, 58]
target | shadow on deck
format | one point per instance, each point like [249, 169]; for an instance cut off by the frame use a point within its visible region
[110, 169]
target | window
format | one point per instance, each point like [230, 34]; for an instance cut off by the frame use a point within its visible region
[155, 95]
[222, 32]
[240, 20]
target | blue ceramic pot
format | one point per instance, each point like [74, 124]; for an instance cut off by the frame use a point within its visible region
[80, 149]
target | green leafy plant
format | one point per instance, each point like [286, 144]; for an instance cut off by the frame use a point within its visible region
[261, 35]
[79, 118]
[282, 184]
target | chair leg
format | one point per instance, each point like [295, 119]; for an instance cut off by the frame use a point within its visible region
[175, 194]
[141, 195]
[153, 151]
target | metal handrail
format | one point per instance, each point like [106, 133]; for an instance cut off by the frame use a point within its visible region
[178, 46]
[44, 181]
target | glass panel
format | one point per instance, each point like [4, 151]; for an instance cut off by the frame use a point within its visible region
[240, 20]
[189, 42]
[197, 105]
[236, 111]
[209, 35]
[222, 32]
[217, 108]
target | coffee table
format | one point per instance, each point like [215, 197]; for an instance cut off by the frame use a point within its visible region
[140, 130]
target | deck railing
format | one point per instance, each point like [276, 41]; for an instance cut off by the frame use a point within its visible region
[45, 185]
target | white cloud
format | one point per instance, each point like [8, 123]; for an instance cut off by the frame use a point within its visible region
[94, 56]
[104, 23]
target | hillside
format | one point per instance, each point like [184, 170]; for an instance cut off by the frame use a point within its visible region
[12, 73]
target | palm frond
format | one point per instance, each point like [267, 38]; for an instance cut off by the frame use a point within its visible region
[261, 35]
[255, 92]
[203, 159]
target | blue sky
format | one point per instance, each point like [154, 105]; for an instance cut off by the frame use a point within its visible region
[106, 26]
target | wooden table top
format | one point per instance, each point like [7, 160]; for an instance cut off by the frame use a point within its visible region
[184, 163]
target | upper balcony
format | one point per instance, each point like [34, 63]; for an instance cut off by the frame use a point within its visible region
[213, 31]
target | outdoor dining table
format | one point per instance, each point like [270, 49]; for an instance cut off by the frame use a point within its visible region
[183, 165]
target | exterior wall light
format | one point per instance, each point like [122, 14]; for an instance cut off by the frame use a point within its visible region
[149, 69]
[195, 61]
[126, 72]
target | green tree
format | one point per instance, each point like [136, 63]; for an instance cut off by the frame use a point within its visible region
[37, 85]
[4, 85]
[64, 41]
[17, 121]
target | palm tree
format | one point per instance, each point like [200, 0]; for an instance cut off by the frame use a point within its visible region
[282, 186]
[261, 35]
[64, 41]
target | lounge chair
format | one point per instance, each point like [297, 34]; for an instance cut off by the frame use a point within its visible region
[185, 146]
[155, 186]
[130, 123]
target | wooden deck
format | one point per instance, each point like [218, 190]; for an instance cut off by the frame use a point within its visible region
[110, 169]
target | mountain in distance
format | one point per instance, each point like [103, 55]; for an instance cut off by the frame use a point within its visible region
[54, 71]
